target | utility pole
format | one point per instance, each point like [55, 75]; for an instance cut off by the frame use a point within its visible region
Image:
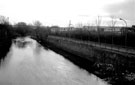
[125, 31]
[98, 22]
[113, 22]
[69, 27]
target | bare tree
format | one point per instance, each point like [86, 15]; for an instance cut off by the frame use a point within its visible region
[37, 23]
[113, 21]
[98, 23]
[79, 25]
[112, 24]
[21, 24]
[4, 20]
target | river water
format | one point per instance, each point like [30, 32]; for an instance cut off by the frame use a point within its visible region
[28, 63]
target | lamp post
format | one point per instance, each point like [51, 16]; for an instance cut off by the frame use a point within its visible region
[124, 21]
[125, 31]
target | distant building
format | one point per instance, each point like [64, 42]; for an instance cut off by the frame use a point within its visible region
[113, 29]
[90, 28]
[127, 30]
[54, 28]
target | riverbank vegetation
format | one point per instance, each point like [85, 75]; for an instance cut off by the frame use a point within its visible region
[103, 64]
[9, 32]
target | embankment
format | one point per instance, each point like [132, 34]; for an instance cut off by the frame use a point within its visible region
[115, 68]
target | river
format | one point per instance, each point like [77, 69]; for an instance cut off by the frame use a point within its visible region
[28, 63]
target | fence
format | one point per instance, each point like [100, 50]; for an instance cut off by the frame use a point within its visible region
[108, 47]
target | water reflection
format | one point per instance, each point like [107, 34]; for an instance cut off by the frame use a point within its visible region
[28, 63]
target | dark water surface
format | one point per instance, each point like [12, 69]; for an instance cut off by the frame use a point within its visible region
[28, 63]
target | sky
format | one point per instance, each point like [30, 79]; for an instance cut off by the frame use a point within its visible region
[60, 12]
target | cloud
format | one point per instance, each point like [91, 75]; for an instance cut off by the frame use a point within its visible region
[125, 10]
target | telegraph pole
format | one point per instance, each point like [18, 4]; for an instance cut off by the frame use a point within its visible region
[125, 31]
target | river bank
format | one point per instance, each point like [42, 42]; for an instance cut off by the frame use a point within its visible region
[5, 40]
[112, 67]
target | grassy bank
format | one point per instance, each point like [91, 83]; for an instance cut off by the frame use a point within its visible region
[5, 40]
[115, 68]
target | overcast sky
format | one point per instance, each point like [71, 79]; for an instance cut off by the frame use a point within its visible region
[59, 12]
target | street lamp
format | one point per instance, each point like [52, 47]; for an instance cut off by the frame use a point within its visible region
[125, 30]
[124, 21]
